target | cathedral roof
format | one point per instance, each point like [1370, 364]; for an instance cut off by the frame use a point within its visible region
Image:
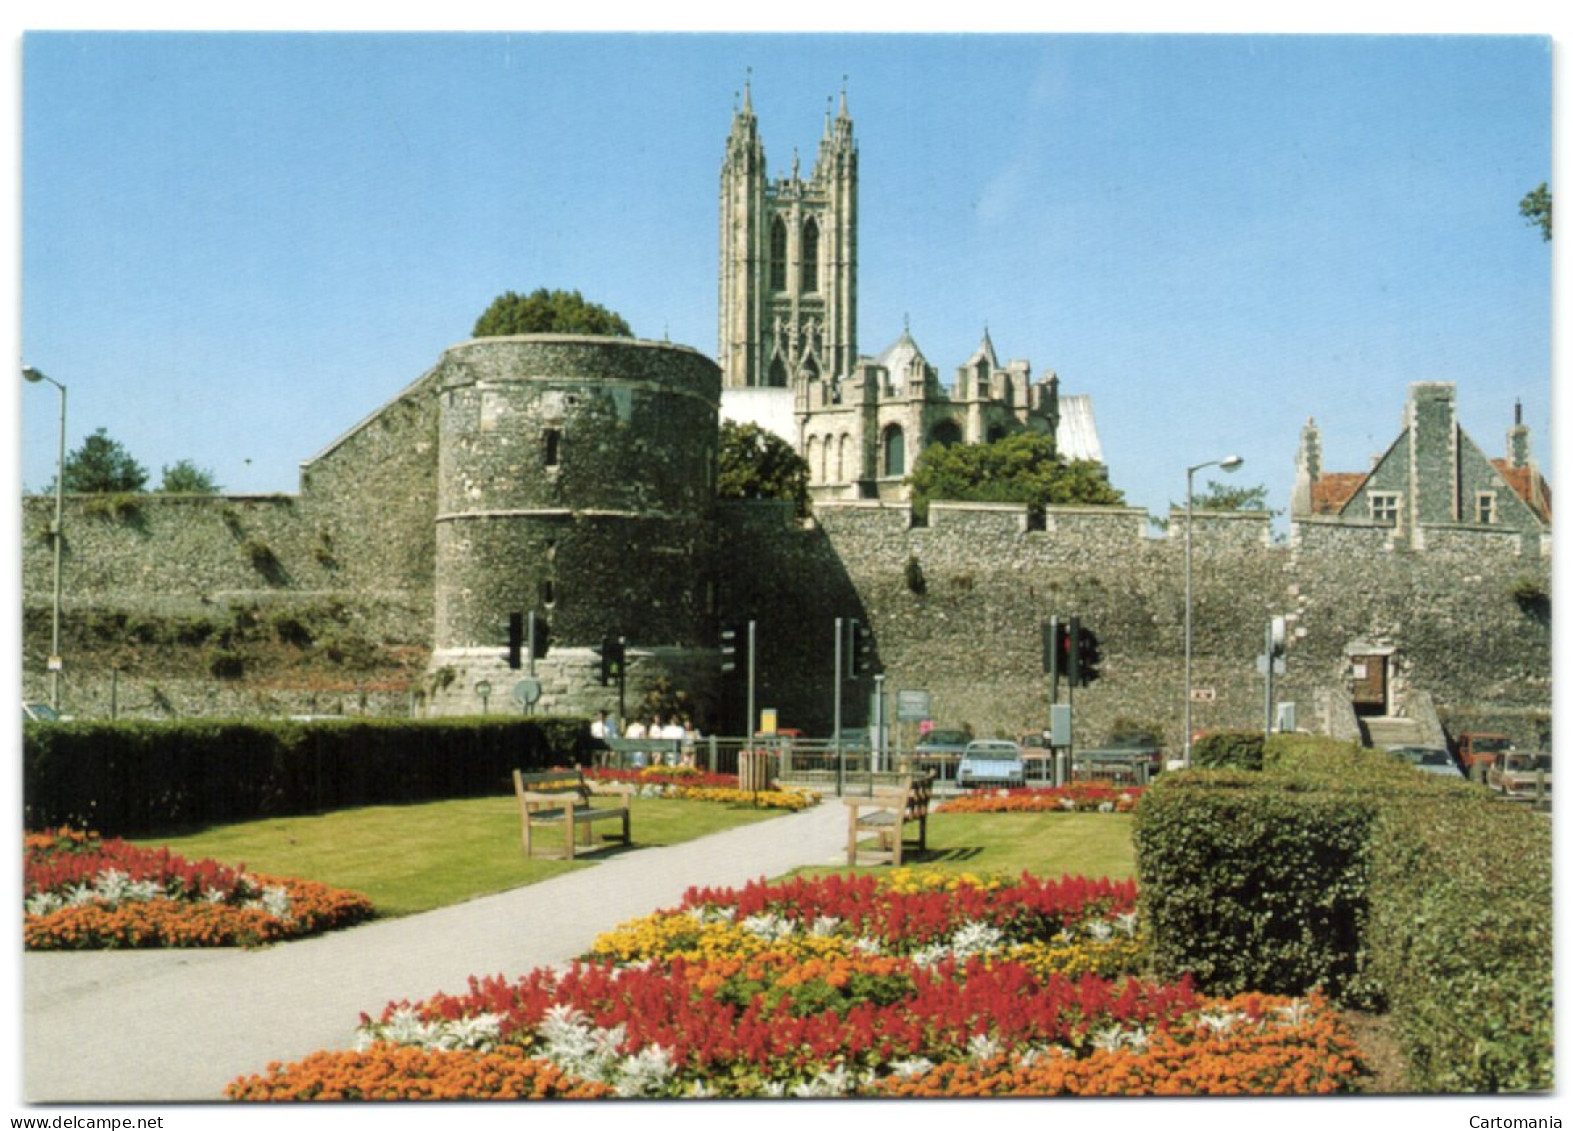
[984, 352]
[1077, 435]
[899, 355]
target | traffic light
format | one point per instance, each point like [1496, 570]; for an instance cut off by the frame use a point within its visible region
[1056, 648]
[540, 636]
[515, 639]
[732, 639]
[1089, 657]
[862, 649]
[612, 657]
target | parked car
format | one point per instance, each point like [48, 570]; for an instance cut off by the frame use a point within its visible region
[991, 762]
[1428, 759]
[1481, 748]
[943, 742]
[1518, 775]
[39, 712]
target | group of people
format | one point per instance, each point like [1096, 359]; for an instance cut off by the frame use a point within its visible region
[679, 738]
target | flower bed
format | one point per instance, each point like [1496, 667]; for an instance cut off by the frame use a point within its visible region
[687, 783]
[83, 893]
[1088, 798]
[921, 985]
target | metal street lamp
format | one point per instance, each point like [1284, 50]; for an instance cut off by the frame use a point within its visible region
[1228, 463]
[35, 376]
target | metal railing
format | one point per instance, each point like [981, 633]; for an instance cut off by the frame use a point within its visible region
[821, 765]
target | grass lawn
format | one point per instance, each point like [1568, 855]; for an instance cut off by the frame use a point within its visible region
[1046, 844]
[409, 858]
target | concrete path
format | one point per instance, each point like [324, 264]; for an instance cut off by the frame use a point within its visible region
[178, 1025]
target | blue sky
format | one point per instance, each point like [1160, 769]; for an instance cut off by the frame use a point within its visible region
[236, 246]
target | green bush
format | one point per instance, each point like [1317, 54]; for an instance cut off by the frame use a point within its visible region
[146, 778]
[1345, 868]
[1228, 749]
[1251, 888]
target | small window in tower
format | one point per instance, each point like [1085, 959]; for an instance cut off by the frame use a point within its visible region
[809, 283]
[554, 446]
[778, 255]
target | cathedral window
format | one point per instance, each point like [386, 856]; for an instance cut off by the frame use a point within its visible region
[809, 283]
[777, 377]
[895, 446]
[778, 255]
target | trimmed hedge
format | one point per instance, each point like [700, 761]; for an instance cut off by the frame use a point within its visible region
[1341, 867]
[146, 778]
[1229, 749]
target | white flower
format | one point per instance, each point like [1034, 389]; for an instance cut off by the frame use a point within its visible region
[1106, 807]
[1127, 921]
[913, 1066]
[973, 938]
[1099, 929]
[930, 955]
[824, 926]
[645, 1073]
[1219, 1024]
[708, 914]
[828, 1082]
[44, 902]
[982, 1047]
[768, 926]
[864, 944]
[1067, 803]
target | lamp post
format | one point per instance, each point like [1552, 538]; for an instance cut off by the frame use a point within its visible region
[35, 376]
[1228, 463]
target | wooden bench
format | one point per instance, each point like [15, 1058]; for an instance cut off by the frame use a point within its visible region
[563, 798]
[886, 812]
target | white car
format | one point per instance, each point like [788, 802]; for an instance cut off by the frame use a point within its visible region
[991, 762]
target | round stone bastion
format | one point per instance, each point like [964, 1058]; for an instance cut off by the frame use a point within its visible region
[576, 480]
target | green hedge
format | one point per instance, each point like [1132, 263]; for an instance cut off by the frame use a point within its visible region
[1231, 749]
[1344, 868]
[146, 778]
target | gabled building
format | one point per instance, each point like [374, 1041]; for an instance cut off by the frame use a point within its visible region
[1431, 478]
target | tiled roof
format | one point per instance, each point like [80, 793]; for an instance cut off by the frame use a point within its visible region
[1527, 485]
[1331, 492]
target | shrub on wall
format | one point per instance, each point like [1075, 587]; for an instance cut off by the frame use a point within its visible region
[145, 778]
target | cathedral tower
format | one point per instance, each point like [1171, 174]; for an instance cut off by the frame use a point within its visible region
[788, 298]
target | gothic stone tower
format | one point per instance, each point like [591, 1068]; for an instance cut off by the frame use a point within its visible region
[788, 260]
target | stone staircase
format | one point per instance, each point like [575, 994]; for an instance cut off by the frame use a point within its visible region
[1390, 730]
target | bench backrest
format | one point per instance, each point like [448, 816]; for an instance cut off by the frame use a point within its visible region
[550, 786]
[910, 794]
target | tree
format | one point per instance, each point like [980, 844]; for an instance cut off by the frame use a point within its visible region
[186, 478]
[102, 466]
[757, 464]
[1535, 208]
[548, 312]
[1022, 468]
[1223, 497]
